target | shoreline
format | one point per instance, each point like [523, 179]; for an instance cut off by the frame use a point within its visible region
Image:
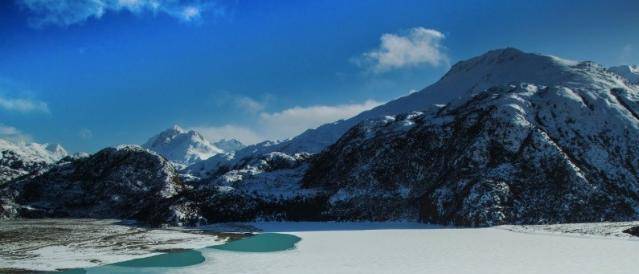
[57, 244]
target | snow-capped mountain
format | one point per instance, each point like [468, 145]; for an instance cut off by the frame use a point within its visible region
[559, 146]
[521, 138]
[20, 158]
[547, 140]
[181, 146]
[630, 72]
[465, 78]
[120, 182]
[495, 67]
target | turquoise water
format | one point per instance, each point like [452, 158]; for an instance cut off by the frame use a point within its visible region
[174, 259]
[267, 242]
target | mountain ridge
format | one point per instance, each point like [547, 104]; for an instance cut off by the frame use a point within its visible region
[21, 158]
[466, 77]
[184, 147]
[524, 138]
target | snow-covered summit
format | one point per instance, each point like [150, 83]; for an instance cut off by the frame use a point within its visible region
[182, 146]
[630, 72]
[519, 153]
[495, 67]
[21, 158]
[34, 152]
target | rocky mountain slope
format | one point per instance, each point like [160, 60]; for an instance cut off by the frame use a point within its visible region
[183, 147]
[20, 158]
[512, 154]
[124, 182]
[495, 67]
[562, 149]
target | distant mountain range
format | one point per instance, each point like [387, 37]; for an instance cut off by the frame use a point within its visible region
[188, 147]
[21, 158]
[505, 137]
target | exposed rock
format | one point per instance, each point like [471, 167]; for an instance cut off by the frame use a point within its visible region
[634, 231]
[123, 182]
[512, 154]
[20, 158]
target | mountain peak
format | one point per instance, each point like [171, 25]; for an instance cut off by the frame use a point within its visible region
[465, 78]
[508, 63]
[181, 146]
[177, 127]
[20, 158]
[35, 152]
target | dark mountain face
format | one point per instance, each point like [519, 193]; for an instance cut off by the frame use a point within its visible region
[113, 183]
[21, 158]
[13, 166]
[512, 154]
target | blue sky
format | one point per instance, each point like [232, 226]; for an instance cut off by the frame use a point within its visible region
[89, 74]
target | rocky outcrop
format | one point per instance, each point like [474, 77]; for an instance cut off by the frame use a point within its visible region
[20, 158]
[511, 154]
[13, 166]
[263, 187]
[634, 231]
[123, 182]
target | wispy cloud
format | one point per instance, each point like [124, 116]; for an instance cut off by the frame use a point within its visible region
[8, 130]
[414, 47]
[23, 105]
[244, 134]
[293, 121]
[286, 123]
[12, 133]
[69, 12]
[249, 104]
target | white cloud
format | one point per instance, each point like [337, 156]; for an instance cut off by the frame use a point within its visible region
[285, 124]
[293, 121]
[13, 134]
[241, 133]
[415, 47]
[23, 105]
[249, 104]
[190, 13]
[69, 12]
[8, 130]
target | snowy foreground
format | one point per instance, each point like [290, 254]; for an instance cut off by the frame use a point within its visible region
[50, 244]
[415, 248]
[372, 248]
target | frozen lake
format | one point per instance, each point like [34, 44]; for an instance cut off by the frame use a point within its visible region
[415, 248]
